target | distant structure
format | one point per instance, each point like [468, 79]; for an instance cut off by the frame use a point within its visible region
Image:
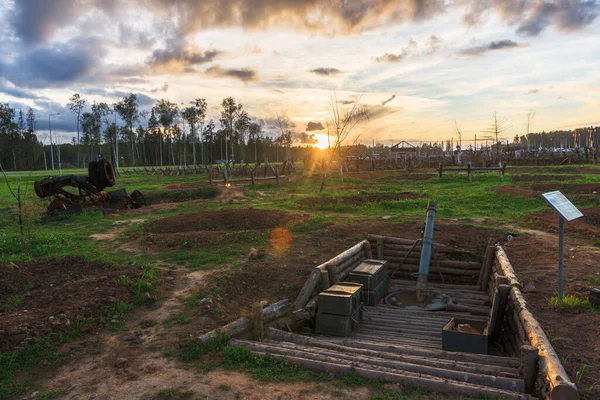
[403, 148]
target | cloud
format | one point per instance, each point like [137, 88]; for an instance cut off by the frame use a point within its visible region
[383, 103]
[163, 88]
[55, 65]
[244, 74]
[14, 91]
[533, 91]
[532, 17]
[434, 43]
[325, 71]
[132, 38]
[179, 55]
[35, 21]
[314, 126]
[492, 46]
[389, 58]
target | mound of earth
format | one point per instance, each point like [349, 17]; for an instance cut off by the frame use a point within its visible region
[189, 239]
[579, 188]
[41, 296]
[587, 227]
[223, 220]
[543, 178]
[538, 189]
[359, 200]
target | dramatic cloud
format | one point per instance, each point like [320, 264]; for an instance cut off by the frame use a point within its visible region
[392, 97]
[314, 126]
[179, 55]
[244, 74]
[434, 43]
[325, 71]
[496, 45]
[13, 91]
[532, 17]
[389, 58]
[59, 64]
[34, 21]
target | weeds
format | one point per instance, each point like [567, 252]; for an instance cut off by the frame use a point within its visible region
[570, 301]
[193, 348]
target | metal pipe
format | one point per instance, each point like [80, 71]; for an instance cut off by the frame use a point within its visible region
[426, 249]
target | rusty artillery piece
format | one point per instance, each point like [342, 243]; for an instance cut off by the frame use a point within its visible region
[90, 191]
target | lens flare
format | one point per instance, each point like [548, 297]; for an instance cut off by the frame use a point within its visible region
[281, 239]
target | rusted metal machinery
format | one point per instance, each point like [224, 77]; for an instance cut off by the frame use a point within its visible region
[90, 190]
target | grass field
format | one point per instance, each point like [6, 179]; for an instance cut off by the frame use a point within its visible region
[170, 266]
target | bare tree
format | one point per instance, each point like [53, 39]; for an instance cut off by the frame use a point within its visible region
[496, 128]
[528, 123]
[340, 125]
[76, 105]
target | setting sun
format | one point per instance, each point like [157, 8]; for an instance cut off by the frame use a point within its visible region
[322, 142]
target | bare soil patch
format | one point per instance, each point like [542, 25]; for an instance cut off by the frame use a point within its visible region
[573, 332]
[536, 189]
[543, 178]
[587, 227]
[39, 297]
[223, 220]
[581, 170]
[359, 200]
[580, 188]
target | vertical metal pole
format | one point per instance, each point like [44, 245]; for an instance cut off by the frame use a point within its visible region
[561, 256]
[51, 144]
[426, 249]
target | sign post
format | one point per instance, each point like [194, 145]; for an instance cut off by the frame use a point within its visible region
[566, 212]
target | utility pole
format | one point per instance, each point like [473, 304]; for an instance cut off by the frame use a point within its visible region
[51, 144]
[116, 138]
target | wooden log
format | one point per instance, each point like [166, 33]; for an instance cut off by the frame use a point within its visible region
[244, 325]
[321, 354]
[397, 256]
[439, 249]
[380, 249]
[529, 367]
[282, 336]
[470, 309]
[559, 386]
[308, 289]
[405, 378]
[367, 250]
[324, 279]
[389, 240]
[345, 264]
[506, 267]
[486, 267]
[257, 322]
[484, 359]
[503, 291]
[449, 271]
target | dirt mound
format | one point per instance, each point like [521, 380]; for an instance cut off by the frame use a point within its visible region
[516, 191]
[180, 193]
[40, 297]
[222, 220]
[189, 239]
[360, 200]
[537, 189]
[587, 227]
[543, 178]
[581, 188]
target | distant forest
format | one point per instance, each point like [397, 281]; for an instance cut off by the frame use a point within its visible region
[183, 136]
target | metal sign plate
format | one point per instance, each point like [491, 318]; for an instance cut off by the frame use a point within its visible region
[562, 205]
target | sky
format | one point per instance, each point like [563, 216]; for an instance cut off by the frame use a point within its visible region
[421, 67]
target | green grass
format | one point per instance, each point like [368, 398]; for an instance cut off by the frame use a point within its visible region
[193, 348]
[571, 301]
[597, 243]
[171, 393]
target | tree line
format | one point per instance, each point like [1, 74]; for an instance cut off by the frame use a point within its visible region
[171, 135]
